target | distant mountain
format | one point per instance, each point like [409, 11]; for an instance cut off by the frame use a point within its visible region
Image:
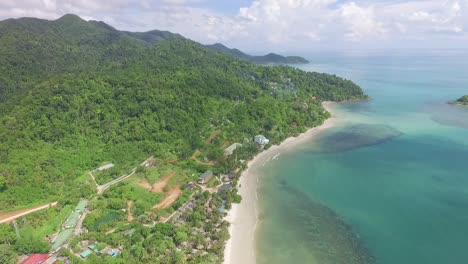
[270, 58]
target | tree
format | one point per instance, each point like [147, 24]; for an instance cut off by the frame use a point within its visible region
[7, 235]
[3, 183]
[7, 254]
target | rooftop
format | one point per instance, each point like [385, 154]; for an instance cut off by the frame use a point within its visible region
[207, 174]
[35, 259]
[61, 239]
[229, 150]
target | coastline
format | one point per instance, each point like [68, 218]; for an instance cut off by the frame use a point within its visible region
[240, 247]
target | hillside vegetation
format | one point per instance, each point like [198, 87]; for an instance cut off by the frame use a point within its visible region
[462, 100]
[77, 94]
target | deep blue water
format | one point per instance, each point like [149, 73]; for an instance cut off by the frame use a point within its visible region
[390, 183]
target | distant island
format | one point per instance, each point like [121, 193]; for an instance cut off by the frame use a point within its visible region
[461, 101]
[270, 58]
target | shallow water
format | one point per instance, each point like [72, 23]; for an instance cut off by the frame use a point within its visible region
[389, 183]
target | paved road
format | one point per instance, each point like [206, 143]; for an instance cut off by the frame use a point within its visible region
[23, 213]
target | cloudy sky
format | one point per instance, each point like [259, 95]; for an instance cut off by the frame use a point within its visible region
[275, 25]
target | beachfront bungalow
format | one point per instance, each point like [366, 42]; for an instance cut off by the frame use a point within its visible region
[225, 188]
[230, 177]
[261, 140]
[205, 177]
[229, 150]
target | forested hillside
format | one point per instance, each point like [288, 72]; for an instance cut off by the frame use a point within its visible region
[83, 94]
[77, 94]
[270, 58]
[462, 100]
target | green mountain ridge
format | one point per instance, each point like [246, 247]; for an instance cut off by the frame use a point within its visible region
[77, 94]
[270, 58]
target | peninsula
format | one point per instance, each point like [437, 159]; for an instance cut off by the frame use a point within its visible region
[461, 101]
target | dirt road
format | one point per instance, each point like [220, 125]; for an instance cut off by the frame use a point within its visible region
[8, 217]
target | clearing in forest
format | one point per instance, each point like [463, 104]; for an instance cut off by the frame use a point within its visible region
[169, 199]
[194, 157]
[157, 187]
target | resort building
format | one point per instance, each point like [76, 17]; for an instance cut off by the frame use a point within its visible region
[230, 177]
[205, 177]
[229, 150]
[225, 188]
[261, 140]
[36, 259]
[105, 167]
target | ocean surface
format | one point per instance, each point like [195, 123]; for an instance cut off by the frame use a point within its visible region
[389, 184]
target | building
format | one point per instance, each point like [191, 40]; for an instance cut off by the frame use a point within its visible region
[261, 140]
[230, 177]
[225, 188]
[86, 253]
[75, 215]
[189, 186]
[229, 150]
[63, 237]
[105, 167]
[205, 177]
[36, 259]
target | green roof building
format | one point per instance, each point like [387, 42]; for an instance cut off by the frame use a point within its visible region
[73, 218]
[62, 238]
[81, 205]
[86, 253]
[205, 177]
[229, 150]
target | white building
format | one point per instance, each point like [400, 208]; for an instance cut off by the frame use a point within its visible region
[261, 140]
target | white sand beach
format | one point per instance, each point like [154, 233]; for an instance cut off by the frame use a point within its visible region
[240, 248]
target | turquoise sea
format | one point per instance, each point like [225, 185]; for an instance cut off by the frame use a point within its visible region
[390, 183]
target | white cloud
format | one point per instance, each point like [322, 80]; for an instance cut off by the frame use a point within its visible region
[274, 24]
[361, 22]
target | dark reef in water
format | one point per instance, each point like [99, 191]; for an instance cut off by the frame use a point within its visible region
[357, 136]
[331, 240]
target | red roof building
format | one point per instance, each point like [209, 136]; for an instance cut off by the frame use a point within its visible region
[36, 259]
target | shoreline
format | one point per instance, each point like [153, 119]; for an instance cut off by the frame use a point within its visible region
[243, 217]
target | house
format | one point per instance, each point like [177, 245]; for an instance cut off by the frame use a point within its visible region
[205, 177]
[229, 150]
[261, 140]
[225, 188]
[86, 253]
[36, 259]
[105, 167]
[230, 177]
[189, 186]
[222, 209]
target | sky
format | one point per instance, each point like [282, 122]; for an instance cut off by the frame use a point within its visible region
[275, 25]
